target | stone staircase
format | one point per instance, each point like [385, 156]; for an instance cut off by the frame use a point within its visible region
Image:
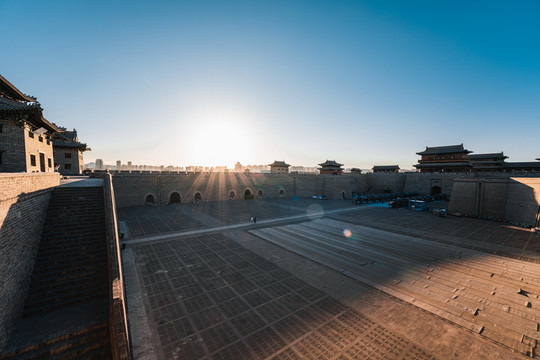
[66, 311]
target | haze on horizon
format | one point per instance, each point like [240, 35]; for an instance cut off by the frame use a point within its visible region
[211, 83]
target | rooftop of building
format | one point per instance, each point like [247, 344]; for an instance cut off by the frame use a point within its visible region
[499, 155]
[385, 167]
[330, 163]
[279, 163]
[439, 150]
[13, 101]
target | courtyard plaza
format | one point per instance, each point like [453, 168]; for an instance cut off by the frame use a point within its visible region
[315, 279]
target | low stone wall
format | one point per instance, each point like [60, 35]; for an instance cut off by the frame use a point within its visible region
[118, 327]
[24, 199]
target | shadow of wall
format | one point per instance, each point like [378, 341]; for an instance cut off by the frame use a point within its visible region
[23, 206]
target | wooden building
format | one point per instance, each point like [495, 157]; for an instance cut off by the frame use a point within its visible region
[487, 162]
[25, 135]
[385, 169]
[68, 153]
[526, 166]
[330, 167]
[356, 171]
[279, 167]
[453, 158]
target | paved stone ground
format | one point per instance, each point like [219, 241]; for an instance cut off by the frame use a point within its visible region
[482, 235]
[145, 221]
[233, 295]
[211, 298]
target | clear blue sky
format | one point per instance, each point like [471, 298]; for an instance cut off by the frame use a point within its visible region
[214, 82]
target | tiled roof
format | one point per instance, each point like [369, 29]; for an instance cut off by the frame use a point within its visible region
[521, 165]
[7, 104]
[330, 163]
[386, 167]
[279, 163]
[488, 156]
[443, 164]
[9, 90]
[450, 149]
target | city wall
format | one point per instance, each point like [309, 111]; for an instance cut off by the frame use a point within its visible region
[490, 194]
[24, 198]
[513, 199]
[132, 189]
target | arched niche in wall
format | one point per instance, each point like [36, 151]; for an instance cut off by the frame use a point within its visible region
[175, 198]
[149, 199]
[248, 194]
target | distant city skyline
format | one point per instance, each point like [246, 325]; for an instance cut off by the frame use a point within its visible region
[211, 83]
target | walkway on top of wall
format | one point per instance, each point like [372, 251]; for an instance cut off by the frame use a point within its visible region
[81, 181]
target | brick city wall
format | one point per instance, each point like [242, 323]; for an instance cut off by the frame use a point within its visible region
[523, 201]
[512, 199]
[131, 189]
[12, 147]
[24, 199]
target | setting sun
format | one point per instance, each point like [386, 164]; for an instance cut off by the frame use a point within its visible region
[219, 142]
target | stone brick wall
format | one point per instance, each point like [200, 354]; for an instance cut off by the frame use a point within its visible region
[12, 147]
[33, 146]
[75, 160]
[523, 202]
[131, 189]
[514, 199]
[24, 199]
[378, 182]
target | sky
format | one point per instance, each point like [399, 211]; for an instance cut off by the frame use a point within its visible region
[215, 82]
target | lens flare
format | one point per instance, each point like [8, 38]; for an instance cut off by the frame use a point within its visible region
[314, 212]
[347, 233]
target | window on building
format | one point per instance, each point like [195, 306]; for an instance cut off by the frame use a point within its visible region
[1, 152]
[67, 166]
[49, 162]
[33, 160]
[40, 139]
[31, 134]
[1, 128]
[67, 155]
[48, 142]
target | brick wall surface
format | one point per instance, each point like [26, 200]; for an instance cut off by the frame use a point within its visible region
[513, 199]
[34, 147]
[76, 161]
[131, 189]
[523, 202]
[23, 205]
[12, 146]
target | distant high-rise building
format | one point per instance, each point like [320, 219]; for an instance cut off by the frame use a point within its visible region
[99, 164]
[118, 164]
[129, 165]
[238, 167]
